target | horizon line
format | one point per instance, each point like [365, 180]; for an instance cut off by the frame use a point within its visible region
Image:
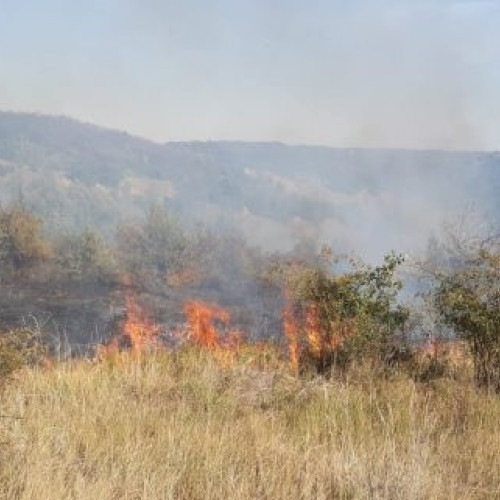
[111, 129]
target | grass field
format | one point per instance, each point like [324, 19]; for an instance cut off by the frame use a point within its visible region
[181, 426]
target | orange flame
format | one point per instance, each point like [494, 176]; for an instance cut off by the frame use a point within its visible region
[313, 331]
[292, 335]
[202, 320]
[319, 342]
[138, 332]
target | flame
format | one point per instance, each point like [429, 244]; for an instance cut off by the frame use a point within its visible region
[314, 335]
[202, 321]
[305, 323]
[138, 332]
[436, 347]
[138, 329]
[292, 334]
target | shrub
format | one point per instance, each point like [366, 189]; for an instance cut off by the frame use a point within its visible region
[466, 295]
[342, 317]
[18, 348]
[85, 255]
[156, 249]
[21, 242]
[469, 301]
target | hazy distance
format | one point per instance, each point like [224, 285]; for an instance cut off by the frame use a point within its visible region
[379, 74]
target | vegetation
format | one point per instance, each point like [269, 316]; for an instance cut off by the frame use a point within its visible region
[21, 241]
[466, 295]
[348, 316]
[18, 349]
[77, 175]
[179, 425]
[156, 249]
[84, 255]
[328, 399]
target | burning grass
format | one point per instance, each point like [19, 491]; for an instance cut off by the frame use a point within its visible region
[179, 425]
[219, 417]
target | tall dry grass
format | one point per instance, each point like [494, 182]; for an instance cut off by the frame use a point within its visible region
[178, 426]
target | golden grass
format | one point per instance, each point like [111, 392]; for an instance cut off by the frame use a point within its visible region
[178, 426]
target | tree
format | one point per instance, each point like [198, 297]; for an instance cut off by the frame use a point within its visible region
[156, 249]
[85, 255]
[21, 242]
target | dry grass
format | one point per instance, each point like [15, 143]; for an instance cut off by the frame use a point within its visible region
[177, 426]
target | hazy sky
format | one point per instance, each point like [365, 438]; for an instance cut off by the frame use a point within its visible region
[370, 73]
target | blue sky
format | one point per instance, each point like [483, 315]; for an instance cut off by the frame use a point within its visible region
[363, 73]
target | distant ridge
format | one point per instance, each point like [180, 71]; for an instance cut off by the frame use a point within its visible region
[45, 119]
[77, 174]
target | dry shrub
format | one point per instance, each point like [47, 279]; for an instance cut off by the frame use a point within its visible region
[18, 348]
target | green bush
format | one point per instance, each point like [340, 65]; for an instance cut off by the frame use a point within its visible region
[469, 301]
[348, 316]
[466, 296]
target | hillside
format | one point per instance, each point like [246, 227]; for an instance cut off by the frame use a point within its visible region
[173, 359]
[79, 175]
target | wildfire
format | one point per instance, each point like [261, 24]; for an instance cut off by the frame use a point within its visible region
[314, 335]
[138, 330]
[202, 321]
[137, 333]
[309, 337]
[292, 334]
[209, 326]
[306, 334]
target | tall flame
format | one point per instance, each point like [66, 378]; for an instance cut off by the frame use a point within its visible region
[313, 330]
[292, 334]
[137, 333]
[307, 337]
[138, 329]
[201, 319]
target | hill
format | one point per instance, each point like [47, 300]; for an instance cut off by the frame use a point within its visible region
[78, 175]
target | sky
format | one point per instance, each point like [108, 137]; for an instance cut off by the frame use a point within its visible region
[345, 73]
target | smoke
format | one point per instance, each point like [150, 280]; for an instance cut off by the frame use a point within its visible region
[378, 73]
[403, 74]
[369, 202]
